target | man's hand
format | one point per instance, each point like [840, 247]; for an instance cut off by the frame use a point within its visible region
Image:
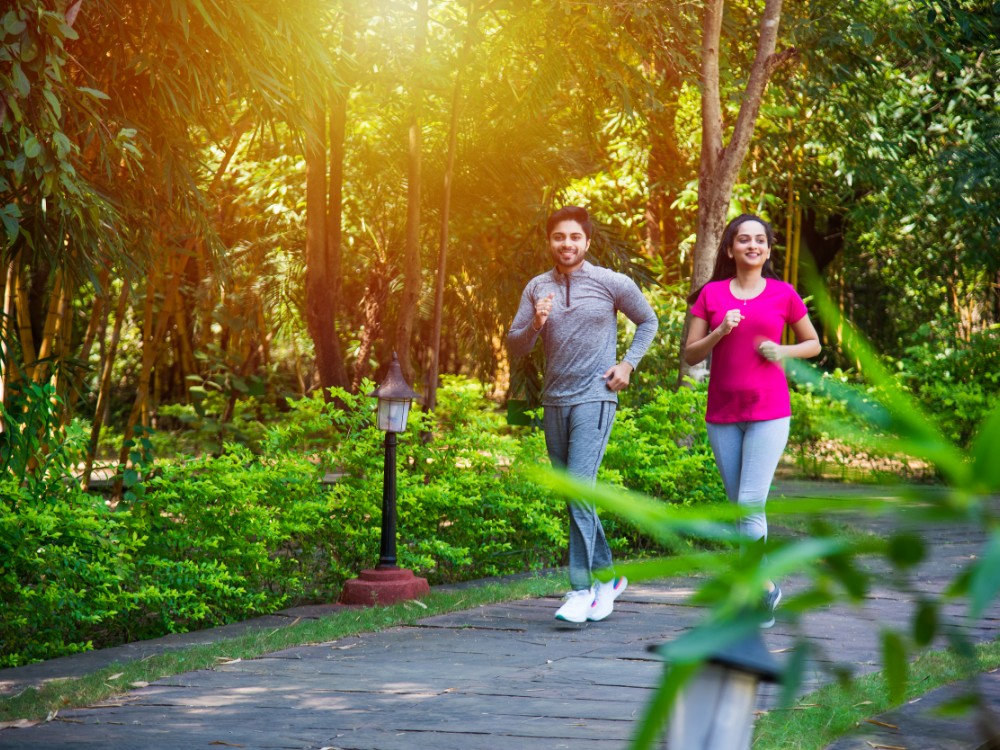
[617, 377]
[542, 309]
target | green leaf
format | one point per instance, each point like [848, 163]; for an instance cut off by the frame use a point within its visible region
[896, 668]
[925, 623]
[53, 101]
[906, 550]
[21, 83]
[12, 24]
[11, 214]
[985, 577]
[62, 145]
[985, 453]
[32, 148]
[94, 93]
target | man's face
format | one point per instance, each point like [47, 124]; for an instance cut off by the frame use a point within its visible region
[568, 245]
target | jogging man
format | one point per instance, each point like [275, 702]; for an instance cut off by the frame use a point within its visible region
[574, 309]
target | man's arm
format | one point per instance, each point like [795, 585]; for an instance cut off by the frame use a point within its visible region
[523, 334]
[636, 308]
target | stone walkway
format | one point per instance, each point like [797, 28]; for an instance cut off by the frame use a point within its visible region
[495, 677]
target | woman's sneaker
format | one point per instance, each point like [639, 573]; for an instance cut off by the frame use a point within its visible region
[770, 603]
[604, 597]
[577, 606]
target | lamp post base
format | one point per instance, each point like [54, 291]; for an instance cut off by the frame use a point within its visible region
[382, 586]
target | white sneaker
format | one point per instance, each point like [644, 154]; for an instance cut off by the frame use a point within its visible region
[577, 606]
[604, 597]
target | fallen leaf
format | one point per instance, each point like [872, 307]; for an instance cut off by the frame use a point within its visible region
[227, 744]
[878, 723]
[344, 648]
[51, 715]
[884, 747]
[863, 703]
[17, 724]
[139, 684]
[418, 603]
[116, 676]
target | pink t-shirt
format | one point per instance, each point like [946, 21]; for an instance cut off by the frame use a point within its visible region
[743, 386]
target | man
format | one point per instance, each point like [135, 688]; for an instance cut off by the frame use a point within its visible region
[573, 309]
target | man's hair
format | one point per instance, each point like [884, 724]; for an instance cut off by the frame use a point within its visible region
[570, 213]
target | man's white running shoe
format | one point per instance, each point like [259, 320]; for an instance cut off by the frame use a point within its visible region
[604, 597]
[577, 606]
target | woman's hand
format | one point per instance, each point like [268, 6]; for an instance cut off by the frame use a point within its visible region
[771, 351]
[732, 319]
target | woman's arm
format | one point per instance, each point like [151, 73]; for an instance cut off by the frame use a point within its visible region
[701, 341]
[807, 343]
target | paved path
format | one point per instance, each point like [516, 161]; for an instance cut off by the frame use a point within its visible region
[500, 677]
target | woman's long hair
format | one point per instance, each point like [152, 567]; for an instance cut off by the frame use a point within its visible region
[725, 266]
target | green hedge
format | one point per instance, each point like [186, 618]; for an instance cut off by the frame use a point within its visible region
[216, 539]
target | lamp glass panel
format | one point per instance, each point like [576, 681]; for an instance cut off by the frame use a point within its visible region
[714, 711]
[392, 414]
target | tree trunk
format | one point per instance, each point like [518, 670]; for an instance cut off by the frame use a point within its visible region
[430, 399]
[335, 200]
[664, 174]
[319, 295]
[411, 259]
[720, 163]
[373, 306]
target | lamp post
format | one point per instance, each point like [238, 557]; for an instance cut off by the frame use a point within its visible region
[387, 583]
[714, 711]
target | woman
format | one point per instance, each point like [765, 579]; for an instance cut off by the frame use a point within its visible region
[738, 318]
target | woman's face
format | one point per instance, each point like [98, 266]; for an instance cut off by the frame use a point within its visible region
[750, 247]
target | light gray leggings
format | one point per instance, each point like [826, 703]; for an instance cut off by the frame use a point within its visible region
[747, 454]
[576, 438]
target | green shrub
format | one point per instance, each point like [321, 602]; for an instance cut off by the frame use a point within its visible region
[64, 559]
[661, 449]
[956, 381]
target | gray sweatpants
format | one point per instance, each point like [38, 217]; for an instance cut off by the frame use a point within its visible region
[576, 438]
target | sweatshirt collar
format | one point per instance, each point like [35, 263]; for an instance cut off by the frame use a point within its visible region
[585, 270]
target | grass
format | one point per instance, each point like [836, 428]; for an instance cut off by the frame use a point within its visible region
[819, 718]
[118, 678]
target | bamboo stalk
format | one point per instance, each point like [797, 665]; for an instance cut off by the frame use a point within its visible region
[5, 327]
[104, 389]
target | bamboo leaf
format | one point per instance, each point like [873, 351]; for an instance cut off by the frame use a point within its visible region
[896, 668]
[985, 580]
[985, 453]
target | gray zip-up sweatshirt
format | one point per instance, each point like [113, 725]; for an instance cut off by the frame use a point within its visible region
[581, 332]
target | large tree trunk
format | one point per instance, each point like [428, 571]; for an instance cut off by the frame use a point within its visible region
[335, 199]
[430, 398]
[319, 295]
[411, 258]
[664, 174]
[720, 163]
